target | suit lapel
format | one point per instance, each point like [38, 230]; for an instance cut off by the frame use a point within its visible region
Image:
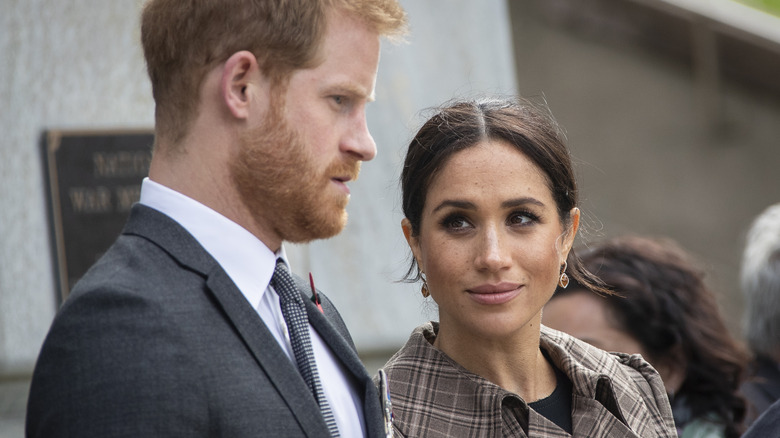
[263, 346]
[342, 347]
[170, 236]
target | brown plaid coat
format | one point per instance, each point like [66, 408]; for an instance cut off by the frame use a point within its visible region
[613, 395]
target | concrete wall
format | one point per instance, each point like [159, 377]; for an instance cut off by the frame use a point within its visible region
[73, 64]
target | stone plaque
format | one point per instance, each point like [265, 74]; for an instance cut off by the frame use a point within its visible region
[93, 180]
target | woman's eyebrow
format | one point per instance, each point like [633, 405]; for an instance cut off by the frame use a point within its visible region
[466, 205]
[521, 201]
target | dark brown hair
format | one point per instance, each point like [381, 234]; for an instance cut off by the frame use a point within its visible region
[461, 124]
[662, 301]
[183, 40]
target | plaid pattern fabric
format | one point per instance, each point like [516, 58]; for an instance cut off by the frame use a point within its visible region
[613, 395]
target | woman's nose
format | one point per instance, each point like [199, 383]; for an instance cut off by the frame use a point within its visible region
[493, 252]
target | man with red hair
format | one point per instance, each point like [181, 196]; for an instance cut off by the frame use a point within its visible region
[191, 324]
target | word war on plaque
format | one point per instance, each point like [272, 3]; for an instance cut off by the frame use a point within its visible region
[94, 178]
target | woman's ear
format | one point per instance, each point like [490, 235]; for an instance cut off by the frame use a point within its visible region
[571, 232]
[411, 239]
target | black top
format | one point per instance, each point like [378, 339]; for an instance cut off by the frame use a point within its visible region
[557, 406]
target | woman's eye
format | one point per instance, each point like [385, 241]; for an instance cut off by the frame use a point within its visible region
[521, 218]
[456, 223]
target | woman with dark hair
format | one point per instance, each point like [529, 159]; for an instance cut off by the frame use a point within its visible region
[490, 205]
[663, 310]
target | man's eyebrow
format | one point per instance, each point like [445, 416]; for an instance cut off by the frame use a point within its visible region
[354, 90]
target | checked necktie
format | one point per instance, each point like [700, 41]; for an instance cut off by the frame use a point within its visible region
[294, 314]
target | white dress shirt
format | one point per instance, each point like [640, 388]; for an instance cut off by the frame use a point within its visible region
[250, 264]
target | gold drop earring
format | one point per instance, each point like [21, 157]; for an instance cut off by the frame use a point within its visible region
[424, 290]
[564, 280]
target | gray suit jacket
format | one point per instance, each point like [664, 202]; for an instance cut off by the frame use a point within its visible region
[156, 340]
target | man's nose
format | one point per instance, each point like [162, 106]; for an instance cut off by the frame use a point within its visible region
[358, 141]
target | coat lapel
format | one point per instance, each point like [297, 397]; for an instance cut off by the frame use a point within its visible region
[591, 418]
[170, 236]
[266, 351]
[341, 345]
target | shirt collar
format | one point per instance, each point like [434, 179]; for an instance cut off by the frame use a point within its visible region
[244, 257]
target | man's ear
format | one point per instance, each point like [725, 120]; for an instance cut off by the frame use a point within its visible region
[240, 79]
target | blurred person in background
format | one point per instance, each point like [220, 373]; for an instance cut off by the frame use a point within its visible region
[663, 310]
[767, 424]
[490, 205]
[760, 283]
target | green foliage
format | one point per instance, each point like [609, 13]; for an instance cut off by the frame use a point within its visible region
[770, 6]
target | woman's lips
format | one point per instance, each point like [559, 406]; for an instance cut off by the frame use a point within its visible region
[494, 293]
